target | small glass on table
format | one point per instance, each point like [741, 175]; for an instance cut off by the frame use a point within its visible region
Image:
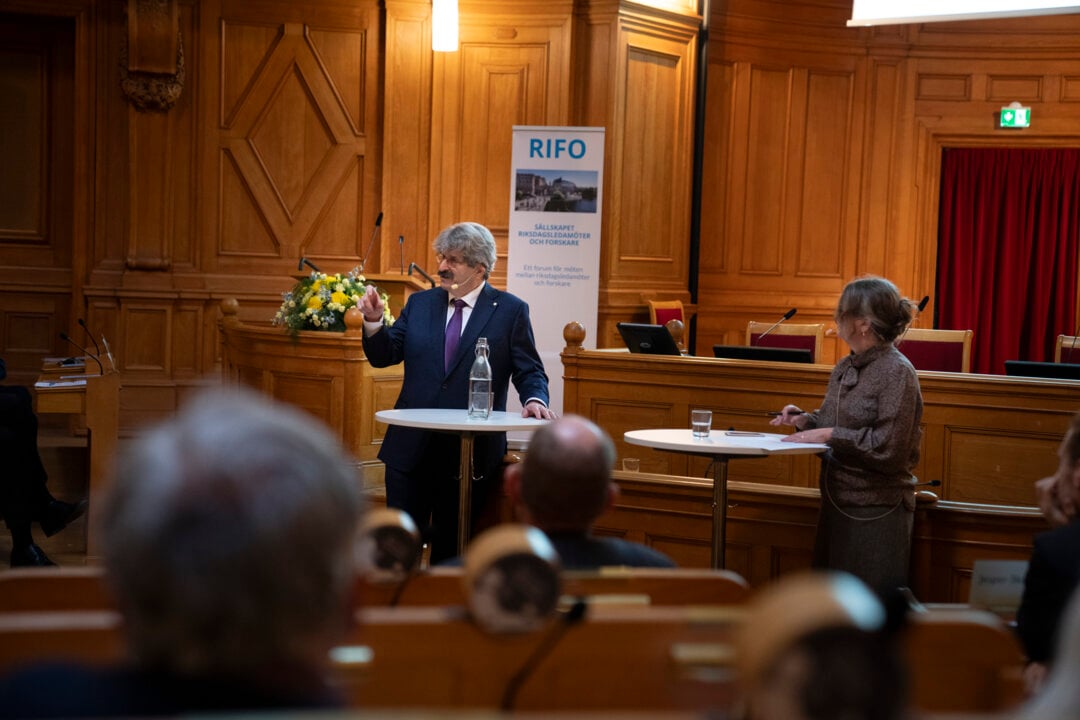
[700, 422]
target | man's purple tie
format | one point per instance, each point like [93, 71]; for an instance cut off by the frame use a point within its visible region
[453, 334]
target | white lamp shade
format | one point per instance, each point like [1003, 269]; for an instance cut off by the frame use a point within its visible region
[444, 25]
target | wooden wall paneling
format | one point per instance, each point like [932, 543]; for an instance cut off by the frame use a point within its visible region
[512, 68]
[407, 136]
[640, 83]
[37, 195]
[292, 135]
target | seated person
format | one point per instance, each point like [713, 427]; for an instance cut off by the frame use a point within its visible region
[1054, 571]
[24, 497]
[821, 646]
[563, 485]
[228, 537]
[1059, 696]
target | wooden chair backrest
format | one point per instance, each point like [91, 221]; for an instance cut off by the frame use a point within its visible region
[798, 336]
[647, 586]
[661, 311]
[1067, 349]
[963, 660]
[941, 350]
[616, 658]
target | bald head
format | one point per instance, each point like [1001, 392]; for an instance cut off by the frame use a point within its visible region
[566, 474]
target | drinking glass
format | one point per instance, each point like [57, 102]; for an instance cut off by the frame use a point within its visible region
[701, 422]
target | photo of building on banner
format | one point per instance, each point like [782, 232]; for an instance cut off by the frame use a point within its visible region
[553, 260]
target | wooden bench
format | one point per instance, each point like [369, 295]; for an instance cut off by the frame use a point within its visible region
[83, 588]
[618, 657]
[645, 586]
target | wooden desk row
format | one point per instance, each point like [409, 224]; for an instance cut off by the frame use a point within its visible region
[616, 658]
[987, 438]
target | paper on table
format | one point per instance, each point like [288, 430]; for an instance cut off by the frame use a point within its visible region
[79, 382]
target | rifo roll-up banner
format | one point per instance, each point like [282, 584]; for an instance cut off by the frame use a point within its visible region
[556, 193]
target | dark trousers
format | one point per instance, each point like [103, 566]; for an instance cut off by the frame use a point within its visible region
[23, 495]
[429, 493]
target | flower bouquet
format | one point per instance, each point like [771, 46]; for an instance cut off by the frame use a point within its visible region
[319, 302]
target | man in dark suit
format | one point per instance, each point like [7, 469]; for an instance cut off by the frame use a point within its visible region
[562, 487]
[422, 466]
[24, 498]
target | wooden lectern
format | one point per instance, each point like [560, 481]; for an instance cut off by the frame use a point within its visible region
[98, 398]
[324, 373]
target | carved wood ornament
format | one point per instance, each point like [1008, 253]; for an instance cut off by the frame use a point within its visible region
[152, 55]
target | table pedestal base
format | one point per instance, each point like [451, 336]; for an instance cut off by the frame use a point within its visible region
[465, 479]
[719, 510]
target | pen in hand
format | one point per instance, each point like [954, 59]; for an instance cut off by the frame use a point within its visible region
[781, 412]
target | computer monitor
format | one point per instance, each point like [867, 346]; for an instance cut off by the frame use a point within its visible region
[754, 352]
[648, 339]
[1031, 368]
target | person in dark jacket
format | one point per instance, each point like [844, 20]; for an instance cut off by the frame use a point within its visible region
[563, 485]
[24, 496]
[1053, 572]
[230, 544]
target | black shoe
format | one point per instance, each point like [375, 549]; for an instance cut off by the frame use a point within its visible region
[30, 556]
[58, 514]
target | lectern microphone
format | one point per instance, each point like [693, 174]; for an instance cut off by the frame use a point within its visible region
[304, 261]
[363, 260]
[787, 316]
[417, 268]
[87, 353]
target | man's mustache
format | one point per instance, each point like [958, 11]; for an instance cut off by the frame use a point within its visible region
[446, 275]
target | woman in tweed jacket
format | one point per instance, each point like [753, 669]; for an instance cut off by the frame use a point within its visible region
[870, 421]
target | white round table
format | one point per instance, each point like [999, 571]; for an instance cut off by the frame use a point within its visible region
[459, 423]
[720, 446]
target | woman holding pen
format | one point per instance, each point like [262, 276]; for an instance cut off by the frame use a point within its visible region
[870, 421]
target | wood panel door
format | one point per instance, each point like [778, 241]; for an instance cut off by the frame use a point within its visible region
[290, 128]
[36, 189]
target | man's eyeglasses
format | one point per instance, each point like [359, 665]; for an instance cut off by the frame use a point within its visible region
[451, 261]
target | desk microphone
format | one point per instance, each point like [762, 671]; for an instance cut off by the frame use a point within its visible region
[401, 249]
[89, 334]
[923, 303]
[572, 617]
[417, 268]
[87, 353]
[304, 261]
[929, 483]
[378, 223]
[787, 316]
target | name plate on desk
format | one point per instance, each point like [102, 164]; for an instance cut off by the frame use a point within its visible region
[998, 585]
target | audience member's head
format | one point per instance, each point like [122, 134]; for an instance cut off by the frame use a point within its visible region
[229, 537]
[878, 301]
[564, 482]
[817, 646]
[1068, 472]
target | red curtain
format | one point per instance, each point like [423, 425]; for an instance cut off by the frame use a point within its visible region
[1007, 250]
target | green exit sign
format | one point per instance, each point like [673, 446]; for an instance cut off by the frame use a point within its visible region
[1015, 117]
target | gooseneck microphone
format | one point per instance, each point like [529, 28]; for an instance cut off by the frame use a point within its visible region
[417, 268]
[87, 353]
[82, 324]
[304, 261]
[378, 223]
[572, 617]
[923, 303]
[401, 250]
[787, 316]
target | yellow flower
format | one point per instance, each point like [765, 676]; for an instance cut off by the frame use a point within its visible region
[315, 302]
[339, 297]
